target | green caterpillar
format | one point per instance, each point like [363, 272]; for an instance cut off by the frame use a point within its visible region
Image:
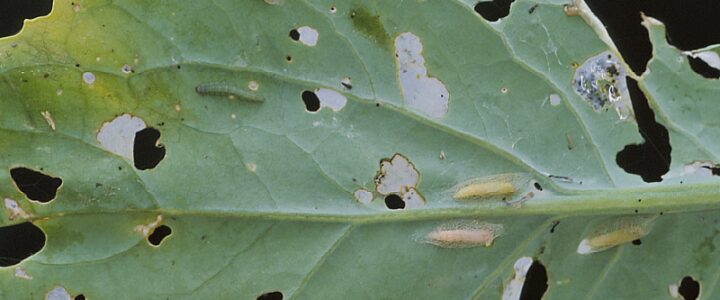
[226, 90]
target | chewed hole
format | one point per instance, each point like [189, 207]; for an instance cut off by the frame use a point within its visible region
[159, 234]
[79, 297]
[271, 296]
[394, 201]
[294, 34]
[35, 185]
[147, 152]
[701, 67]
[493, 10]
[288, 59]
[311, 100]
[637, 242]
[535, 282]
[15, 12]
[18, 242]
[689, 288]
[651, 159]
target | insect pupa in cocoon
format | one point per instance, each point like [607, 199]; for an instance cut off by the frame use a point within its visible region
[491, 186]
[464, 234]
[613, 232]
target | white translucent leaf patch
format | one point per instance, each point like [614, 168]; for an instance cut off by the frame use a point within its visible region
[709, 57]
[331, 99]
[308, 36]
[420, 92]
[14, 210]
[118, 135]
[363, 196]
[601, 81]
[58, 293]
[513, 290]
[146, 229]
[20, 273]
[412, 198]
[396, 175]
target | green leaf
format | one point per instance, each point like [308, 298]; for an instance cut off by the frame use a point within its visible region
[424, 100]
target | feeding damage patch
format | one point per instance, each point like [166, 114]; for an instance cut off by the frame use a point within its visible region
[601, 81]
[420, 92]
[321, 97]
[118, 135]
[398, 176]
[14, 210]
[513, 290]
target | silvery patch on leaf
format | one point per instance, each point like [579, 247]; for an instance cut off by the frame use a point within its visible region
[601, 81]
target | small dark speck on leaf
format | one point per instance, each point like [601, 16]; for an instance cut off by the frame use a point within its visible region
[554, 224]
[532, 8]
[538, 186]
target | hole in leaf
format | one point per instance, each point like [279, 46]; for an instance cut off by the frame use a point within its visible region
[13, 13]
[493, 10]
[535, 282]
[312, 102]
[637, 242]
[690, 25]
[79, 297]
[35, 185]
[295, 35]
[159, 234]
[18, 242]
[271, 296]
[702, 68]
[651, 159]
[689, 288]
[147, 152]
[394, 201]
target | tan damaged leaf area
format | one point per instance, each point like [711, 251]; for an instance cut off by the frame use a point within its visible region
[360, 149]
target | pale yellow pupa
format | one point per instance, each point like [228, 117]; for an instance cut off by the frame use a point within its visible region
[615, 231]
[491, 186]
[464, 234]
